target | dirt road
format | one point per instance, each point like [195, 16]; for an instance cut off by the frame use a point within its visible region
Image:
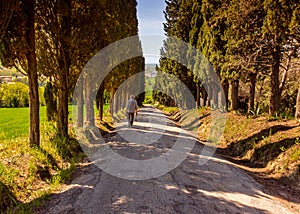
[214, 187]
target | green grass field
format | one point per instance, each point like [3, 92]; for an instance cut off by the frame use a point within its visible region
[14, 122]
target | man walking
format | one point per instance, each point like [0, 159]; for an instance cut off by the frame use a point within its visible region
[131, 109]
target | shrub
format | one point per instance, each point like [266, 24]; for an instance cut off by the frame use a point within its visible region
[148, 100]
[14, 95]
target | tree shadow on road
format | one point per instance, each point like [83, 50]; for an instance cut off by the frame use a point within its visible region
[178, 191]
[215, 186]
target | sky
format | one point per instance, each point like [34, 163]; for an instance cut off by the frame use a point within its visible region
[151, 19]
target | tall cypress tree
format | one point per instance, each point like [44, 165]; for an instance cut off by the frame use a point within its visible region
[277, 34]
[18, 50]
[125, 24]
[178, 18]
[244, 55]
[211, 45]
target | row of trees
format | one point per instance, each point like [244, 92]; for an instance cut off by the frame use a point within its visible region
[246, 41]
[55, 39]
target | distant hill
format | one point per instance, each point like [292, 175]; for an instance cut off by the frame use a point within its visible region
[9, 72]
[150, 70]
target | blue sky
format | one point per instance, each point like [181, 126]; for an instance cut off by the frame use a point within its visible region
[151, 19]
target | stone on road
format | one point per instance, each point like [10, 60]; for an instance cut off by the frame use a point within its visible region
[214, 187]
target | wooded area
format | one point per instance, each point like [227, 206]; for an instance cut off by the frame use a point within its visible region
[54, 40]
[252, 45]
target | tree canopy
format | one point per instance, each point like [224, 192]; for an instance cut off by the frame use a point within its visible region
[248, 43]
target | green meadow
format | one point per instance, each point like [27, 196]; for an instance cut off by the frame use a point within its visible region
[14, 122]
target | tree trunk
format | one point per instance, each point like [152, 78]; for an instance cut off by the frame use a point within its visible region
[260, 92]
[124, 96]
[34, 130]
[198, 95]
[64, 65]
[275, 89]
[234, 94]
[112, 101]
[215, 96]
[79, 121]
[90, 118]
[225, 85]
[101, 94]
[252, 91]
[297, 114]
[50, 96]
[209, 95]
[62, 125]
[117, 103]
[204, 96]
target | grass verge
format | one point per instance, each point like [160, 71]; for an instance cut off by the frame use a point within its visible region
[271, 147]
[29, 175]
[268, 146]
